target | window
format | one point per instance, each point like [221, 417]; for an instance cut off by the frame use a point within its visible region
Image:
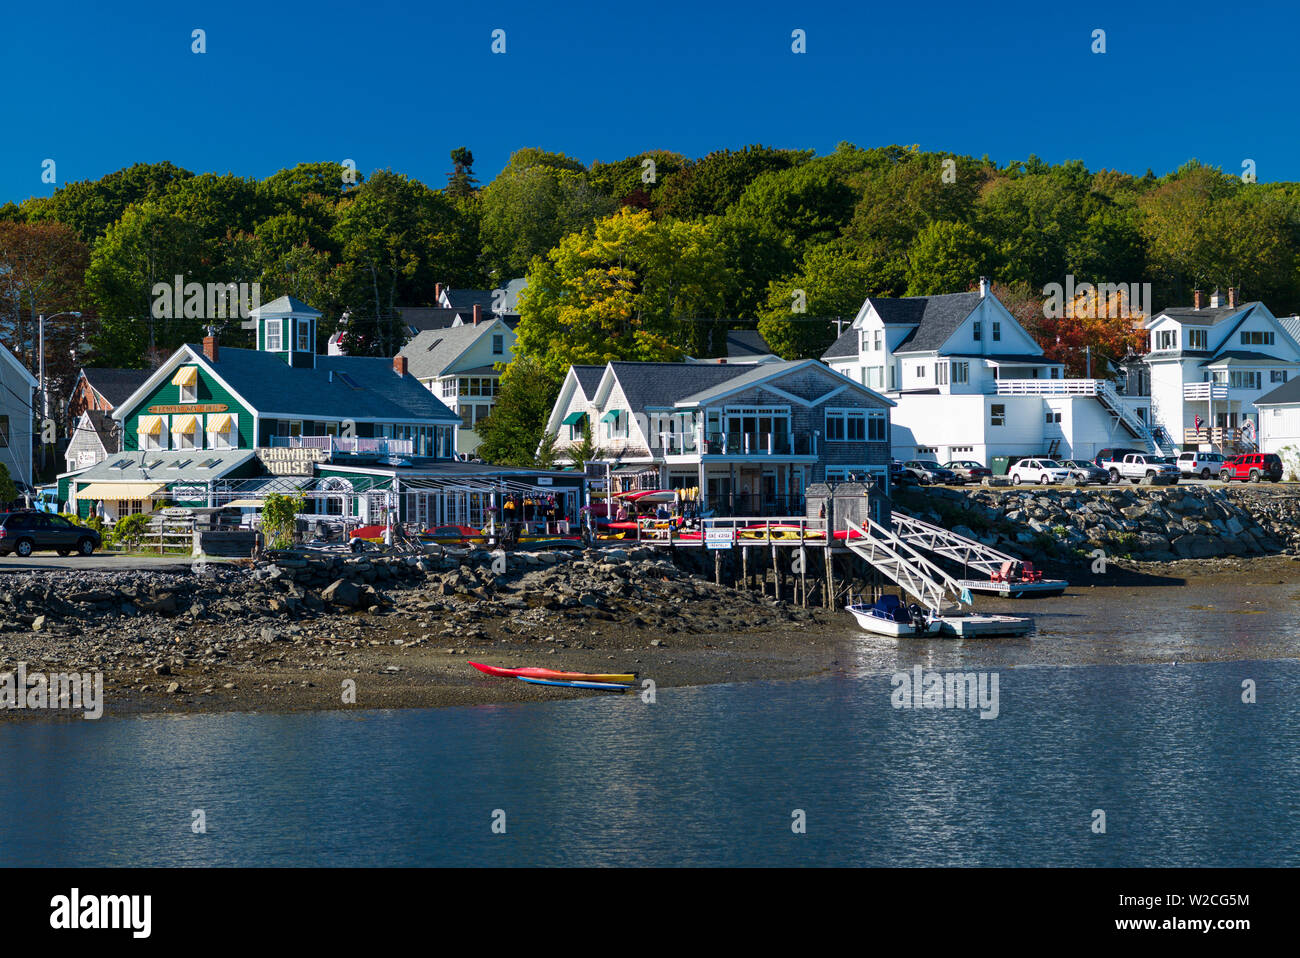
[979, 330]
[941, 374]
[1246, 379]
[1050, 417]
[846, 425]
[875, 377]
[1256, 338]
[997, 332]
[891, 377]
[1277, 375]
[498, 344]
[1056, 372]
[1197, 339]
[876, 423]
[190, 393]
[920, 372]
[960, 373]
[272, 339]
[448, 388]
[998, 414]
[4, 432]
[304, 336]
[879, 340]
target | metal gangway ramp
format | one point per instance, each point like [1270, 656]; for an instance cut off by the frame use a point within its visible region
[972, 555]
[898, 561]
[942, 542]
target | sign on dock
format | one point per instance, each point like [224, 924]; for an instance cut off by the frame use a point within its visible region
[719, 538]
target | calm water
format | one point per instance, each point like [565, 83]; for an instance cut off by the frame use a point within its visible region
[1187, 775]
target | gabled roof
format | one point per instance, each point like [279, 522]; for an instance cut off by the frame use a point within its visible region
[283, 307]
[102, 425]
[744, 343]
[420, 318]
[588, 379]
[467, 299]
[22, 370]
[265, 382]
[762, 372]
[434, 351]
[933, 320]
[1287, 393]
[658, 385]
[115, 385]
[1246, 355]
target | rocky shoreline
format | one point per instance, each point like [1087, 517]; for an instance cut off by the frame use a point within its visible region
[1145, 523]
[288, 633]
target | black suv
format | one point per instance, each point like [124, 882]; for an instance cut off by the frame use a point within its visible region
[25, 532]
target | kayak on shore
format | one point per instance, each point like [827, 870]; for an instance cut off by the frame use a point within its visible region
[603, 686]
[539, 673]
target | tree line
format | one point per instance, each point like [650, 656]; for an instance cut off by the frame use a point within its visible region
[653, 256]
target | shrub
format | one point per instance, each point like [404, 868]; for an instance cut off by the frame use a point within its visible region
[280, 519]
[129, 530]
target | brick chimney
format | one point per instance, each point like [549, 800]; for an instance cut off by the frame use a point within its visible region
[399, 365]
[210, 348]
[1196, 299]
[437, 292]
[476, 314]
[1232, 297]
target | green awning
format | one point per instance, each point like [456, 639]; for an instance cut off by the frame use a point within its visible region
[611, 416]
[573, 418]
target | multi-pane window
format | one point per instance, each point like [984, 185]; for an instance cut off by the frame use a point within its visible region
[855, 425]
[1051, 417]
[998, 414]
[920, 372]
[875, 377]
[960, 373]
[1256, 338]
[304, 336]
[997, 332]
[941, 374]
[1167, 339]
[1246, 379]
[1277, 375]
[273, 341]
[498, 344]
[478, 386]
[1198, 339]
[979, 331]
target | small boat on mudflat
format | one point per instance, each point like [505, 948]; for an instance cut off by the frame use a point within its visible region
[890, 617]
[602, 686]
[539, 673]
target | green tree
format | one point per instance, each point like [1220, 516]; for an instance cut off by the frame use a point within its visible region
[511, 434]
[280, 519]
[91, 206]
[461, 182]
[530, 207]
[946, 258]
[831, 284]
[706, 187]
[617, 291]
[8, 491]
[586, 449]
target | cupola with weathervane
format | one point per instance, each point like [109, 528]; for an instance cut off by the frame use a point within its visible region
[287, 327]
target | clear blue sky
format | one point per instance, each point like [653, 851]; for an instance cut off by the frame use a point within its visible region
[97, 86]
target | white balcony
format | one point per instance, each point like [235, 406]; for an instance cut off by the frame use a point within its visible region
[345, 446]
[1204, 392]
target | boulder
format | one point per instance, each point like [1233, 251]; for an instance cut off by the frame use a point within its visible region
[342, 592]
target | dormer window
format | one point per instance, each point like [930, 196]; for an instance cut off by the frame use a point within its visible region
[1167, 339]
[273, 340]
[1197, 339]
[187, 381]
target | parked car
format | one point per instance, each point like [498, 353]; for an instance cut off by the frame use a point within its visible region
[928, 472]
[1044, 471]
[27, 531]
[1143, 465]
[898, 476]
[1081, 470]
[1252, 466]
[1202, 464]
[1109, 458]
[967, 470]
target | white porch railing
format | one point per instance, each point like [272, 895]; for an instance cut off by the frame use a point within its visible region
[1204, 392]
[347, 446]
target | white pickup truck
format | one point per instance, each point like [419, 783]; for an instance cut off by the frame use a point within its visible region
[1138, 466]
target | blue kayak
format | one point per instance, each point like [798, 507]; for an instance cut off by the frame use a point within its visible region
[606, 686]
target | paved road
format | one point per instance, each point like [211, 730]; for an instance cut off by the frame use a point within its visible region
[100, 561]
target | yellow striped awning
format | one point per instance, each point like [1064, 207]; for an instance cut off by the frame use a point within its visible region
[185, 424]
[219, 423]
[186, 376]
[149, 426]
[120, 491]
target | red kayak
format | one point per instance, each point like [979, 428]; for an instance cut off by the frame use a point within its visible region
[534, 673]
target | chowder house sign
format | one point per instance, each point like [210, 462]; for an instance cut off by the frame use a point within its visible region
[193, 407]
[291, 462]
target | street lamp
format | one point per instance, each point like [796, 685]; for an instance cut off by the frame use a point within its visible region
[45, 393]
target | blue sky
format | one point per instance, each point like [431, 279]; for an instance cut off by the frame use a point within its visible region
[398, 84]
